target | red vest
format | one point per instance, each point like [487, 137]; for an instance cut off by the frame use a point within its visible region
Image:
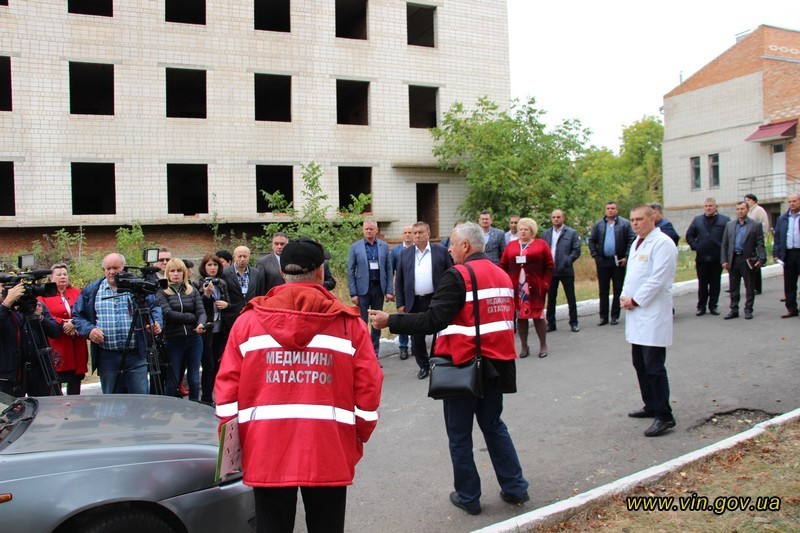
[496, 307]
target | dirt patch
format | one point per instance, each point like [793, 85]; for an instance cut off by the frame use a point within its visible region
[736, 419]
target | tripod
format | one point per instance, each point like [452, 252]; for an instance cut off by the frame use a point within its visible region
[43, 355]
[157, 362]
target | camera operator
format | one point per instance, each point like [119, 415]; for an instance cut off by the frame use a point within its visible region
[104, 316]
[215, 299]
[20, 370]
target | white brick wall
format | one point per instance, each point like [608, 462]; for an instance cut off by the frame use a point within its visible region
[470, 60]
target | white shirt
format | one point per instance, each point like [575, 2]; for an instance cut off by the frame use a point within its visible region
[554, 240]
[423, 271]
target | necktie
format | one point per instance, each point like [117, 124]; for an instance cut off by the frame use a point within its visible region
[641, 239]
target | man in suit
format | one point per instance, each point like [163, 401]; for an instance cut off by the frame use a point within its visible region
[663, 224]
[647, 299]
[369, 275]
[270, 264]
[565, 245]
[704, 236]
[787, 251]
[243, 282]
[742, 252]
[609, 241]
[408, 242]
[417, 277]
[494, 237]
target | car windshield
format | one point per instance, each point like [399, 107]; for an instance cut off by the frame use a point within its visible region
[12, 411]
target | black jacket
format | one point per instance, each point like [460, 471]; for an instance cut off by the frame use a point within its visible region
[623, 233]
[705, 237]
[17, 344]
[568, 250]
[182, 312]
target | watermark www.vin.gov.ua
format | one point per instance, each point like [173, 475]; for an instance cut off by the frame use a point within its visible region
[693, 502]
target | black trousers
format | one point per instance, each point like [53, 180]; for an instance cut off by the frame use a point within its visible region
[737, 272]
[372, 300]
[652, 375]
[791, 270]
[708, 280]
[568, 282]
[418, 345]
[606, 274]
[276, 508]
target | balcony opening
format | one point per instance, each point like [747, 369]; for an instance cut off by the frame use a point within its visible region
[272, 179]
[93, 189]
[352, 182]
[272, 15]
[273, 97]
[185, 11]
[91, 89]
[422, 106]
[5, 83]
[351, 19]
[99, 8]
[419, 24]
[186, 93]
[7, 202]
[352, 102]
[187, 188]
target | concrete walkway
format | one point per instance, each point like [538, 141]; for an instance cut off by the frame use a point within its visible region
[568, 419]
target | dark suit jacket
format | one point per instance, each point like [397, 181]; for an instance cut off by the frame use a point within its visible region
[668, 229]
[271, 268]
[704, 236]
[404, 276]
[237, 299]
[623, 237]
[752, 247]
[781, 231]
[568, 250]
[495, 245]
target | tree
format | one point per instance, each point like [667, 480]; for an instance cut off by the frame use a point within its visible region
[510, 161]
[335, 232]
[640, 155]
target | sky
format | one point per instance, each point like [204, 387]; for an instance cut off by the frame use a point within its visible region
[609, 63]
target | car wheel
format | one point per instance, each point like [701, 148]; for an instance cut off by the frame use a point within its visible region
[126, 521]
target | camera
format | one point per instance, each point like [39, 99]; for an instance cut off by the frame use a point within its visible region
[33, 290]
[130, 282]
[213, 281]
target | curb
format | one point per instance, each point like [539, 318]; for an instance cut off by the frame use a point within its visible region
[565, 509]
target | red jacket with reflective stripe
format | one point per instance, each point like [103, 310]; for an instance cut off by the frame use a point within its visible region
[496, 301]
[300, 373]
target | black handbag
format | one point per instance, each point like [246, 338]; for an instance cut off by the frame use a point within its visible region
[449, 381]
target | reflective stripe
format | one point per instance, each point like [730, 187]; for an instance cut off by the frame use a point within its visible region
[329, 342]
[297, 410]
[492, 327]
[258, 343]
[484, 294]
[226, 410]
[369, 416]
[334, 343]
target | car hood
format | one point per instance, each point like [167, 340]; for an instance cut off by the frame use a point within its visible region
[85, 422]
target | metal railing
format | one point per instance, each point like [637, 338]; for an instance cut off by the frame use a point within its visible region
[770, 188]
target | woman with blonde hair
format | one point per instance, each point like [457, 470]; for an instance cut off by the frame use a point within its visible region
[184, 324]
[70, 351]
[530, 266]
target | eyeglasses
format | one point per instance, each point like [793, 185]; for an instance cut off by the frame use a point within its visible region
[164, 260]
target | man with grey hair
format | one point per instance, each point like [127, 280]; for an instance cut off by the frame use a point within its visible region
[451, 316]
[299, 374]
[787, 251]
[663, 224]
[104, 316]
[704, 236]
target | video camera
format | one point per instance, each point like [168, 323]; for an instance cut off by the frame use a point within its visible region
[143, 284]
[33, 290]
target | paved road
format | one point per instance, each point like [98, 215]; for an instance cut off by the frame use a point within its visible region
[569, 419]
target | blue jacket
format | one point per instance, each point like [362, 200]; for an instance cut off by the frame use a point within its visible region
[781, 229]
[404, 287]
[568, 250]
[623, 237]
[495, 245]
[668, 229]
[358, 268]
[84, 318]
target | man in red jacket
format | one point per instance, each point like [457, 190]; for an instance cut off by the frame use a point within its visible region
[300, 373]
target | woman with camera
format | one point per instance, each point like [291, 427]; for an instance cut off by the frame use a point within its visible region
[70, 351]
[215, 299]
[184, 323]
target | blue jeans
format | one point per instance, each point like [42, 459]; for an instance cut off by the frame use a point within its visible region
[458, 415]
[133, 377]
[402, 341]
[184, 351]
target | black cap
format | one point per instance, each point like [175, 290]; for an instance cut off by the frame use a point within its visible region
[751, 196]
[301, 256]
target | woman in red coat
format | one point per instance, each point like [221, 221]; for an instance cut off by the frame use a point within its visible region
[529, 264]
[70, 351]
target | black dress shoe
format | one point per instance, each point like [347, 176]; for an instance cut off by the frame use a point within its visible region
[551, 327]
[748, 315]
[523, 355]
[603, 322]
[641, 413]
[700, 311]
[714, 311]
[423, 373]
[659, 427]
[574, 328]
[403, 354]
[732, 314]
[455, 500]
[789, 314]
[515, 500]
[614, 321]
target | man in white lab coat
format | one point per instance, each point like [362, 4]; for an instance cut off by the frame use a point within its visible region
[647, 298]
